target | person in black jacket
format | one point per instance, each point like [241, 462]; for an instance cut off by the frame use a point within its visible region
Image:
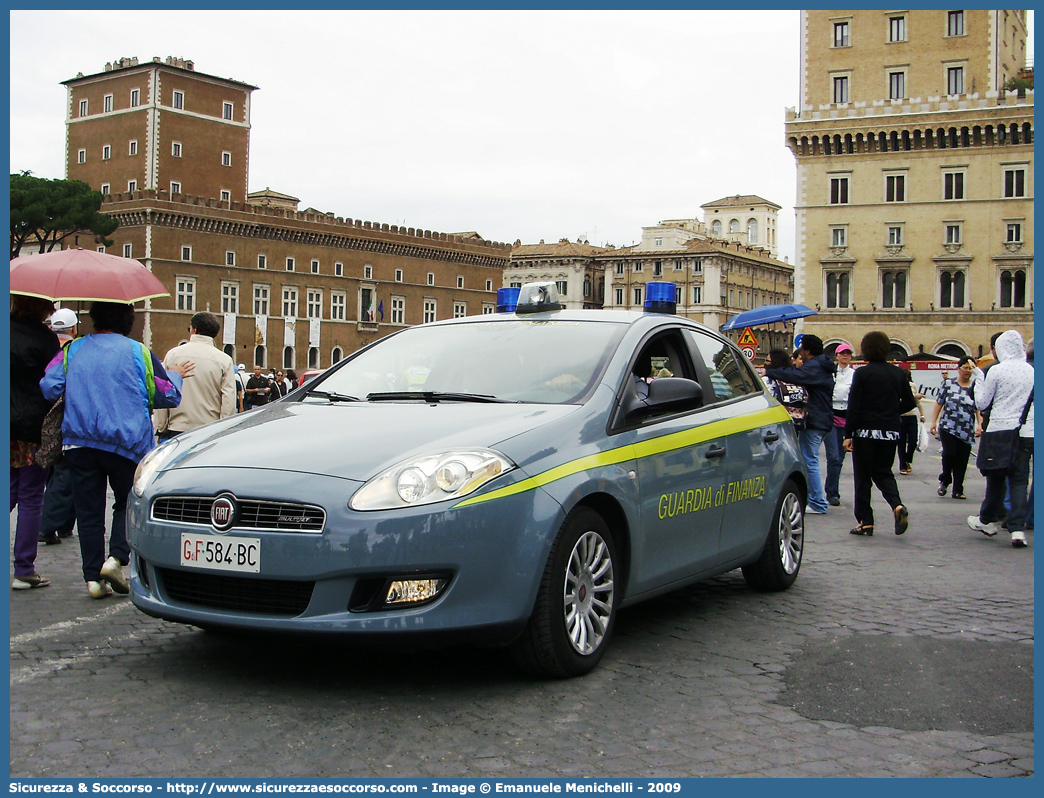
[33, 344]
[880, 394]
[816, 374]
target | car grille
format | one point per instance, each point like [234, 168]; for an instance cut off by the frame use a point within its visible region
[252, 514]
[254, 596]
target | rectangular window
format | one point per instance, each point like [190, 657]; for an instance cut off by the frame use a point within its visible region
[953, 233]
[135, 98]
[697, 294]
[619, 294]
[895, 188]
[637, 266]
[105, 189]
[262, 262]
[839, 236]
[951, 288]
[658, 268]
[132, 148]
[895, 236]
[175, 149]
[838, 294]
[953, 185]
[314, 303]
[83, 108]
[338, 270]
[955, 23]
[460, 281]
[230, 297]
[896, 85]
[230, 257]
[841, 89]
[398, 275]
[226, 195]
[839, 191]
[430, 310]
[893, 289]
[106, 152]
[488, 309]
[338, 305]
[1015, 182]
[186, 253]
[226, 159]
[179, 99]
[955, 80]
[226, 110]
[620, 268]
[175, 188]
[657, 242]
[185, 290]
[1014, 233]
[677, 265]
[431, 278]
[489, 285]
[637, 295]
[107, 103]
[460, 310]
[132, 185]
[697, 267]
[562, 285]
[289, 303]
[81, 156]
[897, 29]
[367, 272]
[289, 264]
[398, 310]
[315, 267]
[127, 250]
[841, 34]
[260, 300]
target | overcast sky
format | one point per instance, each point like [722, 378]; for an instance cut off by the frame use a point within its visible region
[517, 124]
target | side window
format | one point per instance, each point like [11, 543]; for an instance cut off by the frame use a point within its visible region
[663, 355]
[730, 376]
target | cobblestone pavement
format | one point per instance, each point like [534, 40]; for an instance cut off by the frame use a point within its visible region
[891, 656]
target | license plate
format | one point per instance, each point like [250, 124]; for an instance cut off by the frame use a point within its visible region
[224, 554]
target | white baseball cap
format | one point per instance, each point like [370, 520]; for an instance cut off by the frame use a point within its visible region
[63, 319]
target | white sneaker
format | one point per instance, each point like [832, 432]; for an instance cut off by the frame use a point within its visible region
[989, 530]
[112, 572]
[1018, 540]
[99, 590]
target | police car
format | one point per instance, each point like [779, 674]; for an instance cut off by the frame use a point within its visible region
[514, 478]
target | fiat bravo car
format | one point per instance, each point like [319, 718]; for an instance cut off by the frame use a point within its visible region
[513, 478]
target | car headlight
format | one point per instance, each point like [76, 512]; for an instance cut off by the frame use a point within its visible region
[431, 478]
[151, 463]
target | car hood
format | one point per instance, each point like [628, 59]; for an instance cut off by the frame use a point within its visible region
[356, 440]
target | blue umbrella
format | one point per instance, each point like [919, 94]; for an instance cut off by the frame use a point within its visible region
[767, 314]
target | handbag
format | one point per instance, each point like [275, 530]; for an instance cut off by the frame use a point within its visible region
[794, 398]
[50, 451]
[923, 439]
[997, 450]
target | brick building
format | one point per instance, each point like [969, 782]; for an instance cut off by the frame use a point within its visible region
[914, 178]
[169, 148]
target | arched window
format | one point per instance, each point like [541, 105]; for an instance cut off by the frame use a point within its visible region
[288, 357]
[313, 357]
[952, 350]
[716, 228]
[1013, 288]
[734, 226]
[259, 355]
[336, 355]
[752, 231]
[897, 352]
[230, 350]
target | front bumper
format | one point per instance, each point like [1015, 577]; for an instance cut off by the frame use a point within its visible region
[493, 555]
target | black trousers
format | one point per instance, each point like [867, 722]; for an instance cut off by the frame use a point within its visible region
[59, 516]
[955, 453]
[872, 464]
[907, 440]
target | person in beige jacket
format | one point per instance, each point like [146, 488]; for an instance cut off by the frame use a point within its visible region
[211, 394]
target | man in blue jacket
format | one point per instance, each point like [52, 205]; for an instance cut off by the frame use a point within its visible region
[816, 374]
[111, 383]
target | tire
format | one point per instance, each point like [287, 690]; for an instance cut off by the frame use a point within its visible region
[780, 560]
[575, 610]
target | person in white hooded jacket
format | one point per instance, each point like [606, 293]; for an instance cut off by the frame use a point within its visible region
[1005, 391]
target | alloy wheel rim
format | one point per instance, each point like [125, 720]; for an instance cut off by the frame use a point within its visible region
[588, 593]
[791, 533]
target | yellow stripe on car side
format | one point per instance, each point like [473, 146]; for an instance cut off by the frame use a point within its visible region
[665, 443]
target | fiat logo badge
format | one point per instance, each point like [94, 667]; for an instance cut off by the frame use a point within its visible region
[223, 513]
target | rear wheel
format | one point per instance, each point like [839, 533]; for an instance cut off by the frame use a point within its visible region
[778, 566]
[575, 609]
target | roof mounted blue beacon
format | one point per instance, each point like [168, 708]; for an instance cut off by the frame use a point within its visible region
[661, 298]
[507, 299]
[538, 298]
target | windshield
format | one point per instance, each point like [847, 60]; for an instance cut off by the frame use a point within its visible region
[553, 362]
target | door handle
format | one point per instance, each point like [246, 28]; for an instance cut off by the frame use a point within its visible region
[715, 451]
[771, 437]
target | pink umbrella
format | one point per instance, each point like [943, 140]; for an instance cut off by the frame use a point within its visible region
[85, 275]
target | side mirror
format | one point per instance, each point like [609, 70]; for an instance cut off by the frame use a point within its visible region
[666, 395]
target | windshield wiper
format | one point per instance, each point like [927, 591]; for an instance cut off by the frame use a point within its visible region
[434, 396]
[333, 397]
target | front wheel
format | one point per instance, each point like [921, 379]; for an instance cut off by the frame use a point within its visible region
[576, 604]
[778, 566]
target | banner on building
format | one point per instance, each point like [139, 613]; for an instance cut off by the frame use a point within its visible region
[228, 332]
[313, 332]
[260, 330]
[289, 332]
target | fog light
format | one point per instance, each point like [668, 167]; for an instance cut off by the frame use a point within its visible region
[413, 591]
